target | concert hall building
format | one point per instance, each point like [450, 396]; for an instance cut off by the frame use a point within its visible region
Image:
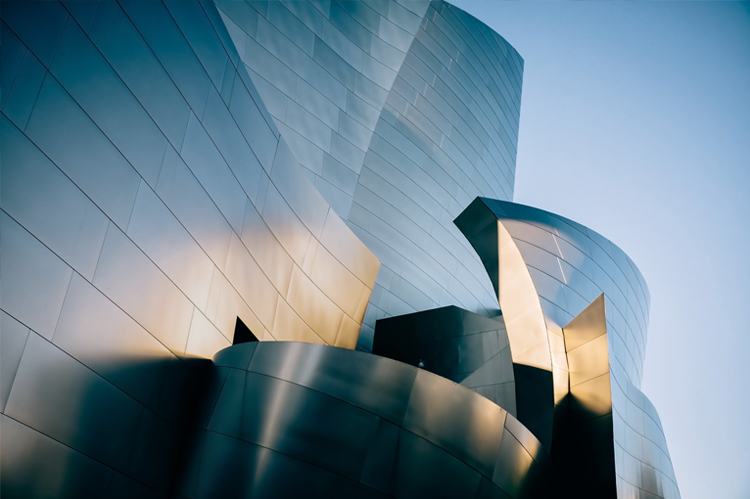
[269, 249]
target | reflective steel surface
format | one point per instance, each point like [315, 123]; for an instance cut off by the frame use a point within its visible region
[148, 202]
[171, 169]
[594, 310]
[456, 344]
[157, 167]
[583, 448]
[401, 112]
[447, 133]
[285, 408]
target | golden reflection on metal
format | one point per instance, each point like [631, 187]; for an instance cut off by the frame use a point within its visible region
[291, 382]
[329, 289]
[519, 301]
[532, 345]
[451, 418]
[204, 340]
[336, 281]
[588, 358]
[288, 326]
[574, 359]
[348, 332]
[560, 383]
[588, 325]
[559, 365]
[348, 249]
[594, 395]
[518, 459]
[531, 444]
[314, 307]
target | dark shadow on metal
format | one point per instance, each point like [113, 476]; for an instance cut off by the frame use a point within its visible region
[350, 424]
[242, 333]
[479, 225]
[120, 446]
[535, 411]
[451, 341]
[583, 453]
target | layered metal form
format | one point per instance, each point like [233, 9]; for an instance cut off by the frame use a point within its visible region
[301, 420]
[454, 343]
[148, 202]
[175, 172]
[548, 272]
[447, 133]
[324, 69]
[402, 112]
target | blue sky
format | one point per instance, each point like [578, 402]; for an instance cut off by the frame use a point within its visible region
[635, 121]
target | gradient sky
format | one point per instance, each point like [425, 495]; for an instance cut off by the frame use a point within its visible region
[635, 121]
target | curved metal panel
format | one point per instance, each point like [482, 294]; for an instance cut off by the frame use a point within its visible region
[289, 401]
[401, 112]
[324, 70]
[529, 339]
[570, 266]
[583, 452]
[172, 168]
[583, 280]
[456, 344]
[148, 202]
[446, 134]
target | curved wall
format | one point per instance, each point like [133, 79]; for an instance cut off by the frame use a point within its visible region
[148, 202]
[324, 70]
[301, 420]
[401, 113]
[170, 167]
[464, 347]
[447, 133]
[570, 266]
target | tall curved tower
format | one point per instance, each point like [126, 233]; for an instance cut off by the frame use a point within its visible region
[401, 113]
[206, 207]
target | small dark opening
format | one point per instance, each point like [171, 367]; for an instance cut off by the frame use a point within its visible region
[242, 333]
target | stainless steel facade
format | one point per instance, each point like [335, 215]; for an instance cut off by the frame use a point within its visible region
[402, 112]
[171, 170]
[352, 425]
[576, 306]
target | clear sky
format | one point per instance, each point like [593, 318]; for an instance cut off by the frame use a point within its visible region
[635, 121]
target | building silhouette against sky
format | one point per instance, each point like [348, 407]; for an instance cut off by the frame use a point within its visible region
[258, 183]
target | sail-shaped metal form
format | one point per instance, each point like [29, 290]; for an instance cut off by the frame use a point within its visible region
[576, 310]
